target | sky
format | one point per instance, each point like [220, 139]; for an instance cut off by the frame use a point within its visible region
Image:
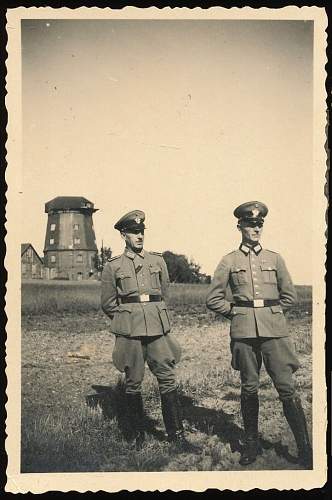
[182, 119]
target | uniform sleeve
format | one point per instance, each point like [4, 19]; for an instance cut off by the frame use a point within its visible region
[216, 297]
[109, 302]
[287, 292]
[164, 278]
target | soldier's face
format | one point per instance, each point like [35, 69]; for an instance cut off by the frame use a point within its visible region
[250, 233]
[134, 240]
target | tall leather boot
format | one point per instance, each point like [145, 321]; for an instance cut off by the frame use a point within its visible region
[250, 410]
[136, 418]
[297, 422]
[172, 417]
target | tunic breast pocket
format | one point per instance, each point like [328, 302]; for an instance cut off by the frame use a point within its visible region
[126, 282]
[154, 277]
[269, 273]
[239, 275]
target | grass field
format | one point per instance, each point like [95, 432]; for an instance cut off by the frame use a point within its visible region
[65, 353]
[51, 296]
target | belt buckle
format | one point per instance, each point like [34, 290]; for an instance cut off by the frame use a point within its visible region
[258, 303]
[144, 297]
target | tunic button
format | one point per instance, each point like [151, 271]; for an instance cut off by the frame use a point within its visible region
[256, 293]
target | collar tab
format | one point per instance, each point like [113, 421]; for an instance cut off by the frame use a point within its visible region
[132, 255]
[129, 254]
[257, 249]
[244, 249]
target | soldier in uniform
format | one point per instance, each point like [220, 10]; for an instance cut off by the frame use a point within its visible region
[262, 290]
[134, 289]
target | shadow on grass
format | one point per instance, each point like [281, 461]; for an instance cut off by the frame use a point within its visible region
[218, 422]
[112, 401]
[209, 420]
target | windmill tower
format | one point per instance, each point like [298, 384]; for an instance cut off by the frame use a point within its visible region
[70, 245]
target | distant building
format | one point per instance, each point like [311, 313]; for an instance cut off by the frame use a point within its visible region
[31, 263]
[70, 246]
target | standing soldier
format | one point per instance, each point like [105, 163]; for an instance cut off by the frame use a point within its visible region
[134, 286]
[262, 290]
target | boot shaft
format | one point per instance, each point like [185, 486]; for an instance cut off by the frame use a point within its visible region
[135, 411]
[250, 411]
[171, 412]
[297, 422]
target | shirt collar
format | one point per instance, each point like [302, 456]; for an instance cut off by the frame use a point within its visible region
[245, 249]
[132, 255]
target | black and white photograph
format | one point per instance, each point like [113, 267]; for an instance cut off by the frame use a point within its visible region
[166, 176]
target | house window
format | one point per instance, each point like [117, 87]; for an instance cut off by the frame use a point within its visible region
[51, 241]
[76, 227]
[53, 227]
[79, 258]
[77, 241]
[53, 259]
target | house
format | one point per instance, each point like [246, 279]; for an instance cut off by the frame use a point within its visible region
[31, 264]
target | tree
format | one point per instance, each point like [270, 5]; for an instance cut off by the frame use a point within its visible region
[101, 258]
[181, 270]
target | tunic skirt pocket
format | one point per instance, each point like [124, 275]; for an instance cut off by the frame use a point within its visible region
[278, 320]
[121, 323]
[163, 314]
[239, 322]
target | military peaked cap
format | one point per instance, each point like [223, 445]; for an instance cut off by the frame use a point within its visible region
[251, 211]
[131, 220]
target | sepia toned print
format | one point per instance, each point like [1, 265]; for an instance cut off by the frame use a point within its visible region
[133, 136]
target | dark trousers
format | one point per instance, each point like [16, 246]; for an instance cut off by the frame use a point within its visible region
[161, 354]
[279, 360]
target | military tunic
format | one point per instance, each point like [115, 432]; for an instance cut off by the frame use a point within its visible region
[142, 327]
[131, 275]
[253, 274]
[257, 333]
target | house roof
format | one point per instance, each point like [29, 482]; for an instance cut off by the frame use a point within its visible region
[68, 203]
[24, 248]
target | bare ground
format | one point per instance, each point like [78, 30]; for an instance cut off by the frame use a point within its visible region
[64, 355]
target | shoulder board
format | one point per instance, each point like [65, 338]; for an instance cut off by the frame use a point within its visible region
[113, 258]
[272, 251]
[156, 253]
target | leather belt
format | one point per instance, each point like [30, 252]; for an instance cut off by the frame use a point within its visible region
[257, 303]
[140, 298]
